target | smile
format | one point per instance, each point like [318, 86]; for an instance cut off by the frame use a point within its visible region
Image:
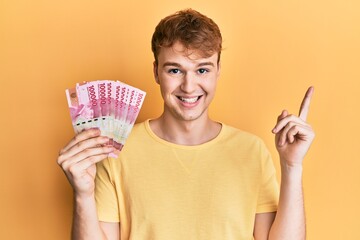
[189, 100]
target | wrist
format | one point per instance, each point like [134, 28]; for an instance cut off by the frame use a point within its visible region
[84, 205]
[292, 171]
[84, 197]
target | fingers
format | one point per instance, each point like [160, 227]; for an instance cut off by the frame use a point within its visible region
[89, 154]
[283, 134]
[294, 131]
[290, 128]
[283, 114]
[76, 170]
[90, 133]
[84, 145]
[78, 158]
[305, 104]
[285, 120]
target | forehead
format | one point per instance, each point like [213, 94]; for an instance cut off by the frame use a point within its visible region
[179, 53]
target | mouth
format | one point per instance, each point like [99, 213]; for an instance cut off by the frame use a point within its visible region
[189, 100]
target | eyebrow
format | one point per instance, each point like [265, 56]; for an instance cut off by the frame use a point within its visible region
[171, 64]
[174, 64]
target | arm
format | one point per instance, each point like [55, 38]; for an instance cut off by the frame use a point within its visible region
[78, 159]
[293, 139]
[289, 222]
[85, 221]
[263, 222]
[86, 224]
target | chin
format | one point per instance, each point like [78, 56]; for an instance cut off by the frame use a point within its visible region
[188, 117]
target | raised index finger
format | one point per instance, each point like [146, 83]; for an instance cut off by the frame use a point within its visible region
[305, 104]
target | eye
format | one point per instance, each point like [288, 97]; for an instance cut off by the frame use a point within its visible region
[174, 71]
[203, 70]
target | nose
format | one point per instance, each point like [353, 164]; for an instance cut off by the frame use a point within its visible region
[188, 84]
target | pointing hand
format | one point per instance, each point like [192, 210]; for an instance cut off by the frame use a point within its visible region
[293, 135]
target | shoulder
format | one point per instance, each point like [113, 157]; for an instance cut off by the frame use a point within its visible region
[138, 136]
[138, 129]
[235, 134]
[242, 141]
[140, 125]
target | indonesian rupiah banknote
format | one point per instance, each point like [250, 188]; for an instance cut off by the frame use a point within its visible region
[111, 106]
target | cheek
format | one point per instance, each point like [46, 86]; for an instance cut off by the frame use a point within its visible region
[210, 86]
[168, 85]
[167, 88]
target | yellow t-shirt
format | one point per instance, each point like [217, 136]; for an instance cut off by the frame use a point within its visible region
[160, 190]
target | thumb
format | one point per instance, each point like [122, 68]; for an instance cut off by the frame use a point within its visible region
[283, 114]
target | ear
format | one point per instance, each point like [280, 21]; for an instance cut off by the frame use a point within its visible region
[155, 71]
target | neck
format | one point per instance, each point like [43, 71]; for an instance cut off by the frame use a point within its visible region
[193, 132]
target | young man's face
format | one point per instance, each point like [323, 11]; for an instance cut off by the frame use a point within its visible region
[187, 81]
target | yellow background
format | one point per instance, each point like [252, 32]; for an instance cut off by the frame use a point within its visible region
[273, 51]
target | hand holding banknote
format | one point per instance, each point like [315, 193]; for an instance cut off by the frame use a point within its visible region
[78, 159]
[103, 113]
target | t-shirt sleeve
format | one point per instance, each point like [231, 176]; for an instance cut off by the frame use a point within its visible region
[105, 193]
[269, 189]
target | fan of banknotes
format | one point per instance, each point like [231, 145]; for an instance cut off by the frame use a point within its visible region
[111, 106]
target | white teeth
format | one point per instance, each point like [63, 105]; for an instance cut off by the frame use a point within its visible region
[189, 100]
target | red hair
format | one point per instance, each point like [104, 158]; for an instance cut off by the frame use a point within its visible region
[191, 28]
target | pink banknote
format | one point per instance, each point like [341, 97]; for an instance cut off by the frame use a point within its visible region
[111, 106]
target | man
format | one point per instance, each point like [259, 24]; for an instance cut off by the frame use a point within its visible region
[183, 175]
